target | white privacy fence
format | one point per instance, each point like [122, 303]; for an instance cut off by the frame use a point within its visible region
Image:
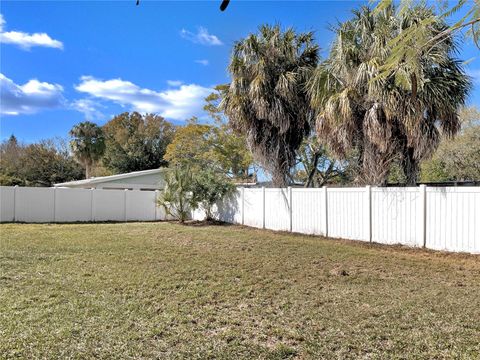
[32, 204]
[440, 218]
[433, 217]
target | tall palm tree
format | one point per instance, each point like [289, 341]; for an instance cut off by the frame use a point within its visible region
[389, 118]
[267, 100]
[87, 144]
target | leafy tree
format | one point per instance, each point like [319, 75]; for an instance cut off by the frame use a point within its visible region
[40, 164]
[136, 142]
[391, 118]
[210, 187]
[459, 158]
[210, 146]
[230, 149]
[191, 146]
[87, 144]
[266, 100]
[176, 198]
[316, 167]
[11, 154]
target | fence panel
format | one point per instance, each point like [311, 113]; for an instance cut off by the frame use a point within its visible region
[347, 213]
[308, 215]
[230, 209]
[277, 209]
[109, 205]
[396, 217]
[253, 207]
[34, 204]
[453, 219]
[7, 205]
[140, 205]
[73, 205]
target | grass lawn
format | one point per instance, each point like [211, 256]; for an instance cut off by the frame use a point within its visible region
[162, 290]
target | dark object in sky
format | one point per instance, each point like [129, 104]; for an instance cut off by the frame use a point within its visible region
[224, 5]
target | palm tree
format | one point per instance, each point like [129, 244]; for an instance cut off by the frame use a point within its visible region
[267, 100]
[392, 118]
[87, 144]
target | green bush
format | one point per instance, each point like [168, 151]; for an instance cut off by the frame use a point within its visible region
[186, 190]
[177, 199]
[210, 187]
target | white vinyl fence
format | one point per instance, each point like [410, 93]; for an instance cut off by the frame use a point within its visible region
[440, 218]
[33, 205]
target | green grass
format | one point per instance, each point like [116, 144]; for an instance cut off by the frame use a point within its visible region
[162, 290]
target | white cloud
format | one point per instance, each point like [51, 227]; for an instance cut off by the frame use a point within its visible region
[29, 98]
[203, 62]
[25, 40]
[174, 83]
[179, 103]
[89, 108]
[201, 37]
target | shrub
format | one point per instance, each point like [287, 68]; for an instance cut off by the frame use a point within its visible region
[177, 199]
[210, 187]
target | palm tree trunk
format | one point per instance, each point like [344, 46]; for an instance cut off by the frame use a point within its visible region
[87, 170]
[410, 167]
[279, 180]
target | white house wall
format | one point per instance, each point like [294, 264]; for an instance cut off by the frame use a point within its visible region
[137, 182]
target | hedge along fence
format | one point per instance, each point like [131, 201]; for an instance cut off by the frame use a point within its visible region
[33, 204]
[440, 218]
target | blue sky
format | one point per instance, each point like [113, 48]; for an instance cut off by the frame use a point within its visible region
[64, 62]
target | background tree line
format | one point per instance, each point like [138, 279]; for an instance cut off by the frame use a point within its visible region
[39, 164]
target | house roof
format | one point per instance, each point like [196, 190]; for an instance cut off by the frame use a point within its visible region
[102, 179]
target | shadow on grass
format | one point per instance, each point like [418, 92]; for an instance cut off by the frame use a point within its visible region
[200, 223]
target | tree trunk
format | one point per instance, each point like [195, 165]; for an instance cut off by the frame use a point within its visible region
[208, 213]
[313, 170]
[326, 176]
[279, 180]
[410, 167]
[87, 170]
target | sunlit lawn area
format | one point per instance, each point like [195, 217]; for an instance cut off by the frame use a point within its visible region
[162, 290]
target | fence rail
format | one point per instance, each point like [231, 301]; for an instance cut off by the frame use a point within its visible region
[440, 218]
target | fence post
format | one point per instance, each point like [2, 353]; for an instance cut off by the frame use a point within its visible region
[263, 207]
[92, 202]
[125, 204]
[15, 203]
[368, 191]
[290, 219]
[325, 210]
[54, 204]
[423, 214]
[243, 205]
